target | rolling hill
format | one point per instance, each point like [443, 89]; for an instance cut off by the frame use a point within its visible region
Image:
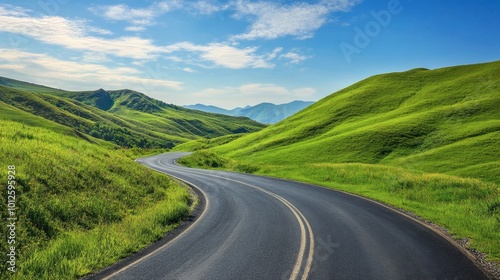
[445, 120]
[267, 113]
[124, 117]
[425, 141]
[84, 203]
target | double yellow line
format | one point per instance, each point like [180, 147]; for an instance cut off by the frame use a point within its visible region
[302, 264]
[307, 236]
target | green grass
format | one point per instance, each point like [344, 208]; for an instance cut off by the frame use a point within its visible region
[81, 206]
[427, 141]
[205, 143]
[444, 120]
[124, 117]
[83, 202]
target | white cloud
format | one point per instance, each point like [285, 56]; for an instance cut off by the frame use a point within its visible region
[95, 57]
[272, 20]
[234, 58]
[138, 17]
[274, 53]
[206, 7]
[73, 75]
[74, 35]
[135, 28]
[9, 10]
[189, 70]
[224, 55]
[251, 94]
[294, 57]
[339, 5]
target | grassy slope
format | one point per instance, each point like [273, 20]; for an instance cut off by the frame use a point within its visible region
[382, 136]
[83, 203]
[132, 118]
[445, 120]
[81, 206]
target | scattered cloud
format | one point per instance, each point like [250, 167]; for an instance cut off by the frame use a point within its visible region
[9, 10]
[76, 75]
[274, 53]
[294, 57]
[75, 35]
[95, 57]
[224, 55]
[139, 18]
[207, 7]
[135, 28]
[270, 20]
[100, 56]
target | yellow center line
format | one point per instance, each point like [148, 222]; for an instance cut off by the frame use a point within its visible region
[298, 215]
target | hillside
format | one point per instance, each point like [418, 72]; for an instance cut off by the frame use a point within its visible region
[445, 120]
[85, 203]
[80, 204]
[124, 117]
[425, 141]
[267, 113]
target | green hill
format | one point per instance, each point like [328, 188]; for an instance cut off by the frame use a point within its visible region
[445, 120]
[82, 203]
[426, 141]
[124, 117]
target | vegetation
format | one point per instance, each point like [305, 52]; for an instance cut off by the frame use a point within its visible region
[82, 202]
[124, 117]
[205, 143]
[81, 206]
[423, 140]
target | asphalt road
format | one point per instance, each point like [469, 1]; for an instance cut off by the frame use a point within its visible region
[263, 228]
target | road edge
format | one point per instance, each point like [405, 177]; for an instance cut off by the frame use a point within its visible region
[195, 215]
[474, 256]
[488, 268]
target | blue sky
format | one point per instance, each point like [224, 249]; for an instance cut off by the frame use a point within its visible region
[237, 53]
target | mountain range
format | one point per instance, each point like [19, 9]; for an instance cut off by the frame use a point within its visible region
[125, 117]
[266, 113]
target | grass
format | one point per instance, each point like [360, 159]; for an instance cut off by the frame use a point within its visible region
[205, 143]
[81, 206]
[124, 117]
[83, 202]
[426, 141]
[466, 207]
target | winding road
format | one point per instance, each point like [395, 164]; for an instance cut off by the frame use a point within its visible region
[257, 227]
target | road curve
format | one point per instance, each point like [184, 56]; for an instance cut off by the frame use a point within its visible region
[257, 227]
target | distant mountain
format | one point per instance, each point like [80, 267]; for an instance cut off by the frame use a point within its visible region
[264, 112]
[212, 109]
